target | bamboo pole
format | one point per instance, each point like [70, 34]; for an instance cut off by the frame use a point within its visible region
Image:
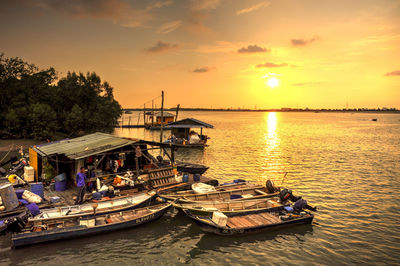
[162, 116]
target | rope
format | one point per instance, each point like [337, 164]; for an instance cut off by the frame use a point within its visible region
[12, 145]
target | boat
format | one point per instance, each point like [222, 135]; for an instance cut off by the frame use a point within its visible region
[182, 135]
[182, 193]
[44, 231]
[206, 208]
[235, 194]
[103, 207]
[249, 222]
[191, 168]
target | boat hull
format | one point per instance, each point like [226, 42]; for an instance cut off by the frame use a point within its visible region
[24, 239]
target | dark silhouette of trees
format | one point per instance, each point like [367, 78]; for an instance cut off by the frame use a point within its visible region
[36, 104]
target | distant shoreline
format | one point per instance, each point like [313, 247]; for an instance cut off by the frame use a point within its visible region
[285, 110]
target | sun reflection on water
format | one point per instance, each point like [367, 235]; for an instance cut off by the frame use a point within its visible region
[272, 159]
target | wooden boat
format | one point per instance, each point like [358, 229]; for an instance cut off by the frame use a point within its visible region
[191, 168]
[51, 230]
[234, 194]
[251, 222]
[207, 208]
[183, 193]
[103, 207]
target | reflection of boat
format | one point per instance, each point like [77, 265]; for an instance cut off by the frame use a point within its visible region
[234, 194]
[103, 207]
[206, 208]
[249, 222]
[51, 230]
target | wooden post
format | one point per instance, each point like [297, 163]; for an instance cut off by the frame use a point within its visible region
[162, 116]
[177, 110]
[152, 113]
[129, 123]
[144, 114]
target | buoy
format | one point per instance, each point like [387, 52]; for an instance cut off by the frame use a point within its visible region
[12, 178]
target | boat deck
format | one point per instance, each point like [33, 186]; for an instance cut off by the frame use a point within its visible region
[252, 220]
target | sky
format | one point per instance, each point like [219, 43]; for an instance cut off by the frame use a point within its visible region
[218, 53]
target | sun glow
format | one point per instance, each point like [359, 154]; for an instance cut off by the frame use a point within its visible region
[273, 82]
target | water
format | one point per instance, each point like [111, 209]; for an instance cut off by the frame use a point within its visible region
[346, 164]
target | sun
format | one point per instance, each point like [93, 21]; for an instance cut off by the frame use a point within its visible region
[272, 82]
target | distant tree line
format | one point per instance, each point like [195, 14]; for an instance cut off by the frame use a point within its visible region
[36, 103]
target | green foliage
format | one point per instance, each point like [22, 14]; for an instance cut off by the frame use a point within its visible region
[34, 105]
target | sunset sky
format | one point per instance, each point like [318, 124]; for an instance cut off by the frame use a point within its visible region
[215, 53]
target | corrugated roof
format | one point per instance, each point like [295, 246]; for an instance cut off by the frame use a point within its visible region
[84, 146]
[189, 123]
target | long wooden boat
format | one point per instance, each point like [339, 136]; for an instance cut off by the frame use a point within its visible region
[252, 221]
[234, 194]
[103, 207]
[187, 192]
[51, 230]
[207, 208]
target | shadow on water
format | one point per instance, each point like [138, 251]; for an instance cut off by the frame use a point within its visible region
[211, 242]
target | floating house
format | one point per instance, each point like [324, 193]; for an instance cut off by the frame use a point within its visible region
[100, 153]
[182, 134]
[154, 121]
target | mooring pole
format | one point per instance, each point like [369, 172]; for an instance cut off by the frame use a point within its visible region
[177, 110]
[152, 113]
[144, 114]
[162, 116]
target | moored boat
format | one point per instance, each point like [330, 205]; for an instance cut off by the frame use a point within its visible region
[249, 222]
[207, 208]
[44, 231]
[103, 207]
[245, 193]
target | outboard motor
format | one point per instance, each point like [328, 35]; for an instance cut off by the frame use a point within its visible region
[285, 194]
[271, 188]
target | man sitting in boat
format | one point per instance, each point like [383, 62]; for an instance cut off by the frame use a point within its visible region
[81, 184]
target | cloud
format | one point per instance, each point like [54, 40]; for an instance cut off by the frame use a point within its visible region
[202, 69]
[271, 65]
[253, 49]
[253, 8]
[161, 47]
[159, 4]
[303, 42]
[120, 12]
[169, 27]
[393, 73]
[199, 5]
[198, 13]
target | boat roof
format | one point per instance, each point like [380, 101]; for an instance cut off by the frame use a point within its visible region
[189, 123]
[165, 114]
[82, 147]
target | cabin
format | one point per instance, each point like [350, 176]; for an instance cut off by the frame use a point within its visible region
[183, 135]
[100, 153]
[167, 118]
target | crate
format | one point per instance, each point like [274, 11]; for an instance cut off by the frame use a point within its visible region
[29, 173]
[219, 218]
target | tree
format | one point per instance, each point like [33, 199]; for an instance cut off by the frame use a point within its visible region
[32, 105]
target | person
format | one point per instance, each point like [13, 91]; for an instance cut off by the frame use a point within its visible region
[81, 184]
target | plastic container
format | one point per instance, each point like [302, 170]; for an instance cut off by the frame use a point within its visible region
[185, 178]
[60, 185]
[288, 209]
[19, 193]
[37, 188]
[8, 196]
[219, 218]
[60, 177]
[196, 178]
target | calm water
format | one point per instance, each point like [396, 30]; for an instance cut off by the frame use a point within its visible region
[345, 164]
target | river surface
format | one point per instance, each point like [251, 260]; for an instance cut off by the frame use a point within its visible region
[345, 164]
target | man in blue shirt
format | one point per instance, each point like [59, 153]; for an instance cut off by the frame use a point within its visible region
[81, 184]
